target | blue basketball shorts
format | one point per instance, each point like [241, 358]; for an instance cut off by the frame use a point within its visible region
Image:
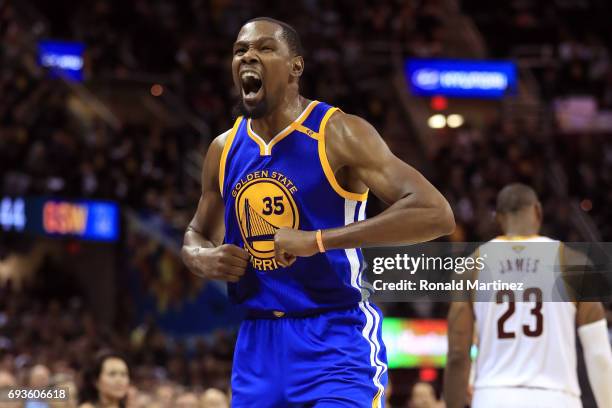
[334, 359]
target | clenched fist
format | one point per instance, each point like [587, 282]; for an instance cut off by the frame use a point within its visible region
[291, 243]
[226, 262]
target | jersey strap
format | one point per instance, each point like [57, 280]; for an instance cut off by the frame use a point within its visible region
[314, 126]
[226, 147]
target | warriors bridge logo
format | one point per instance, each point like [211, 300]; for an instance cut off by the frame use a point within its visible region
[264, 203]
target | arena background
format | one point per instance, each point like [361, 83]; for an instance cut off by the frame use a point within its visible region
[107, 107]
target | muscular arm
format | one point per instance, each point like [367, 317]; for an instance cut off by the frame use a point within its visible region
[203, 252]
[592, 326]
[589, 312]
[417, 211]
[206, 228]
[593, 334]
[457, 372]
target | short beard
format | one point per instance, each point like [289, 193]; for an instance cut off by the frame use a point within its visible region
[259, 111]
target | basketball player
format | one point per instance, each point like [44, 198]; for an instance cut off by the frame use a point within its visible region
[527, 351]
[281, 214]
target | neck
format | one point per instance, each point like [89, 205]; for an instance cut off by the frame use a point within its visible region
[280, 117]
[521, 230]
[523, 223]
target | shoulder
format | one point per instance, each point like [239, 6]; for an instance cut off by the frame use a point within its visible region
[215, 155]
[348, 127]
[353, 138]
[219, 142]
[573, 257]
[215, 149]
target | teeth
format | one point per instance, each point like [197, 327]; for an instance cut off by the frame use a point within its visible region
[251, 82]
[250, 75]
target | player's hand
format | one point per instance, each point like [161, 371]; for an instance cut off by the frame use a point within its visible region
[291, 243]
[226, 262]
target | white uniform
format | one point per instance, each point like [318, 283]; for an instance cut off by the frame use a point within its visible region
[526, 349]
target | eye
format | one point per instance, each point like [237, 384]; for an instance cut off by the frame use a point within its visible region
[239, 51]
[267, 48]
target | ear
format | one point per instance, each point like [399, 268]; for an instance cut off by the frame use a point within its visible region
[297, 66]
[537, 208]
[501, 221]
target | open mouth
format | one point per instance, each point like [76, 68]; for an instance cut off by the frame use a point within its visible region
[252, 86]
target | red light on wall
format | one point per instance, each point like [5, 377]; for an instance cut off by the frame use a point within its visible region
[586, 205]
[428, 374]
[439, 103]
[157, 90]
[73, 247]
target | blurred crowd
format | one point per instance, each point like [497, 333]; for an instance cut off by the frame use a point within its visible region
[49, 144]
[48, 148]
[45, 135]
[47, 341]
[566, 42]
[478, 163]
[474, 164]
[567, 46]
[191, 42]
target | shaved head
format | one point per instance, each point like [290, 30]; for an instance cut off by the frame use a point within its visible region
[515, 197]
[290, 35]
[266, 66]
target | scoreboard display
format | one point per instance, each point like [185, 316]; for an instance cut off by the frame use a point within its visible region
[461, 78]
[84, 219]
[62, 59]
[414, 343]
[417, 343]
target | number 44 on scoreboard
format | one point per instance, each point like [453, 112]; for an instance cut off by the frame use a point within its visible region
[12, 214]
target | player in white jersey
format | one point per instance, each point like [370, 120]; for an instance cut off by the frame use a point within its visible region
[526, 341]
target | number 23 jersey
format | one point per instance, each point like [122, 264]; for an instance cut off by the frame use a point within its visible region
[522, 340]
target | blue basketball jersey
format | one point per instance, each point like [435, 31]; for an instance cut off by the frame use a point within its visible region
[288, 182]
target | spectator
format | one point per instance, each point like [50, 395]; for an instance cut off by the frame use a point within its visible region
[164, 394]
[7, 379]
[40, 376]
[65, 382]
[187, 400]
[39, 379]
[106, 383]
[424, 396]
[213, 398]
[138, 399]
